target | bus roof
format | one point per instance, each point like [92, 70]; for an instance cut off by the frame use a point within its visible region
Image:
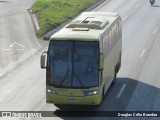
[87, 26]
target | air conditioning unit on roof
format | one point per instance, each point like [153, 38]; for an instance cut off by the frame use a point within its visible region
[91, 22]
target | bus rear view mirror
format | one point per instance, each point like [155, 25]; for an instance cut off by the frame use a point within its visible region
[101, 62]
[43, 60]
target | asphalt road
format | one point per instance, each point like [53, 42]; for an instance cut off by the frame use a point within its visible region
[17, 38]
[137, 87]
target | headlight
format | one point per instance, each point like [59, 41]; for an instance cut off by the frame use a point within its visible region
[51, 91]
[87, 93]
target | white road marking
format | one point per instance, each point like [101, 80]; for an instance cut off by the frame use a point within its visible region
[125, 18]
[142, 53]
[155, 30]
[137, 6]
[151, 55]
[16, 43]
[121, 91]
[19, 49]
[33, 49]
[133, 10]
[5, 49]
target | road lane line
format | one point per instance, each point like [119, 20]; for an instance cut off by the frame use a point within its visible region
[135, 8]
[5, 49]
[155, 30]
[150, 56]
[142, 53]
[16, 43]
[33, 49]
[121, 91]
[20, 49]
[125, 18]
[130, 13]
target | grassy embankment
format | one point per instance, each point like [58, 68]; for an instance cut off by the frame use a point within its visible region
[52, 13]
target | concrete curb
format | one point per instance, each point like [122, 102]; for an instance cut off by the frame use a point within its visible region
[34, 20]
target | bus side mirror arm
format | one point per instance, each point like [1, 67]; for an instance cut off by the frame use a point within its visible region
[101, 62]
[43, 60]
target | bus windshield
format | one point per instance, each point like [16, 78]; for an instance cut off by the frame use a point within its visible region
[73, 64]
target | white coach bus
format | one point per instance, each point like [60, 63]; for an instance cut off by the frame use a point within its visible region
[83, 59]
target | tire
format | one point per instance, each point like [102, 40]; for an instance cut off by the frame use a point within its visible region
[114, 79]
[103, 94]
[119, 64]
[58, 105]
[97, 106]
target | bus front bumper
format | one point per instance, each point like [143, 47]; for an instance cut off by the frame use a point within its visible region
[84, 100]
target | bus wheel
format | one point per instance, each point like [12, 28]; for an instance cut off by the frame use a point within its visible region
[114, 79]
[102, 96]
[119, 64]
[58, 105]
[103, 93]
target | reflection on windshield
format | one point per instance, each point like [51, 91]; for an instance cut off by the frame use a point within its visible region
[73, 64]
[60, 63]
[85, 67]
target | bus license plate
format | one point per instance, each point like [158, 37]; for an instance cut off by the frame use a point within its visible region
[71, 100]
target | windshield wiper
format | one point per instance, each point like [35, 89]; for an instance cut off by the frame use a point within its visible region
[78, 79]
[66, 76]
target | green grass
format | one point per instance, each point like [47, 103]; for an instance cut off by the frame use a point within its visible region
[52, 13]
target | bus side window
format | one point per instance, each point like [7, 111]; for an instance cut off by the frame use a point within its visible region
[106, 44]
[110, 37]
[114, 35]
[119, 26]
[116, 32]
[101, 45]
[116, 29]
